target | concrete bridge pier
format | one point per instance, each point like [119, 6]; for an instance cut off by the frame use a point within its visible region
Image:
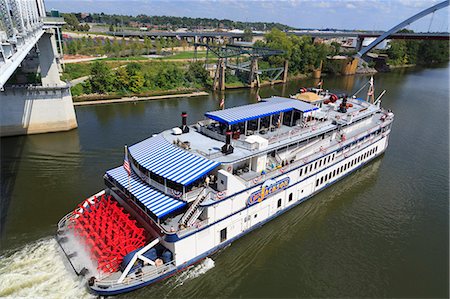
[31, 109]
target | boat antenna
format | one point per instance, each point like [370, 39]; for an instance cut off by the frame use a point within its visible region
[359, 90]
[379, 97]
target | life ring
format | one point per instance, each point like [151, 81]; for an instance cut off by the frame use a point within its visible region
[338, 117]
[256, 180]
[314, 128]
[333, 98]
[302, 90]
[221, 194]
[305, 160]
[229, 168]
[176, 193]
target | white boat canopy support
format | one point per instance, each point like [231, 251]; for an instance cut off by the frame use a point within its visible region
[138, 255]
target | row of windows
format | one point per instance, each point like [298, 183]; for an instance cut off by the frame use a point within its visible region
[316, 165]
[362, 140]
[346, 166]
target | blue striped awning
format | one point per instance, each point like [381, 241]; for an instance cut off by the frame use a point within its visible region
[157, 202]
[267, 107]
[162, 158]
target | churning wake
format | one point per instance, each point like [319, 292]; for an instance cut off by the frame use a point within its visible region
[38, 271]
[191, 273]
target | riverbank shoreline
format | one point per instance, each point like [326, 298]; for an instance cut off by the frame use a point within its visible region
[139, 99]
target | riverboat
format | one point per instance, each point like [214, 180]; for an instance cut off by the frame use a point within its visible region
[187, 192]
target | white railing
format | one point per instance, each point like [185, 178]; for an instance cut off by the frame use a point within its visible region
[316, 154]
[129, 280]
[192, 228]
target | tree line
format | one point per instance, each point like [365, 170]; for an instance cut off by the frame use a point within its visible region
[173, 23]
[120, 47]
[135, 78]
[421, 52]
[303, 54]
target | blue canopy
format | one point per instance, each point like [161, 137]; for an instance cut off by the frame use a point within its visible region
[157, 202]
[270, 106]
[162, 158]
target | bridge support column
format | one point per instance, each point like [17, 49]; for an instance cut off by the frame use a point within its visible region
[39, 109]
[254, 76]
[359, 43]
[48, 56]
[285, 71]
[219, 78]
[36, 109]
[349, 68]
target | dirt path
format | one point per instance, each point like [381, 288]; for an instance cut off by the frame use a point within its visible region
[136, 99]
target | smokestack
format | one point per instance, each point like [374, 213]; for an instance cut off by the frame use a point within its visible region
[343, 105]
[228, 148]
[184, 128]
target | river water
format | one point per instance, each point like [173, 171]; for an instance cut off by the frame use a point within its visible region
[381, 232]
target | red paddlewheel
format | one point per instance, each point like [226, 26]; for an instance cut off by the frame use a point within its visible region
[107, 231]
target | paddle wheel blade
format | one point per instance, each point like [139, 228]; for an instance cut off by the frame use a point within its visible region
[107, 231]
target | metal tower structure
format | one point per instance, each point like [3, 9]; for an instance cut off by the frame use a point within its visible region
[245, 60]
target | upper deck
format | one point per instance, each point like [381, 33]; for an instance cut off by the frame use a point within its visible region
[208, 136]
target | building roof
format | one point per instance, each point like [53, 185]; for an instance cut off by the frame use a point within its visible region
[157, 202]
[167, 160]
[267, 107]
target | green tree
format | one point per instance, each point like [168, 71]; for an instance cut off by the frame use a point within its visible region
[397, 52]
[148, 45]
[136, 82]
[279, 40]
[121, 79]
[433, 51]
[71, 21]
[197, 74]
[133, 68]
[101, 79]
[248, 35]
[158, 46]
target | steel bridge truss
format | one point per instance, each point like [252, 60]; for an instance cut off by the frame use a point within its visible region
[245, 60]
[20, 29]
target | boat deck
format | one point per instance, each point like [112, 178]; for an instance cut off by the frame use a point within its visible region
[208, 143]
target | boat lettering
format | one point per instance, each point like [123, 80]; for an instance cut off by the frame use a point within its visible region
[269, 187]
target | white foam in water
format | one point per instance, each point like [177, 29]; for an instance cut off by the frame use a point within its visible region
[194, 271]
[37, 271]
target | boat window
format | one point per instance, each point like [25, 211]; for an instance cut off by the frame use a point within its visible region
[290, 197]
[320, 162]
[301, 172]
[317, 182]
[279, 203]
[223, 235]
[321, 180]
[256, 215]
[315, 165]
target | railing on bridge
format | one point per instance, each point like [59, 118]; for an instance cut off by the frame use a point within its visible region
[20, 30]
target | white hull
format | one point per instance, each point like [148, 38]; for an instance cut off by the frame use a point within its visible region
[232, 215]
